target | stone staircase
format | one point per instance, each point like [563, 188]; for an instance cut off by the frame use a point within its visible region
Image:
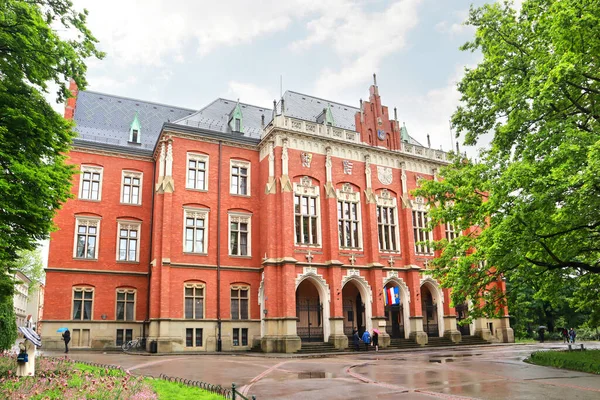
[316, 348]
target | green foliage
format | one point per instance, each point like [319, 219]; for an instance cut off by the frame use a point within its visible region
[29, 262]
[179, 391]
[533, 197]
[8, 324]
[585, 361]
[34, 137]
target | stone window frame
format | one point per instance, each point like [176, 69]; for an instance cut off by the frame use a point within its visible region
[234, 163]
[305, 188]
[387, 200]
[347, 195]
[239, 298]
[129, 226]
[194, 286]
[91, 169]
[195, 337]
[240, 218]
[198, 157]
[240, 337]
[196, 213]
[420, 213]
[132, 175]
[83, 289]
[125, 291]
[88, 221]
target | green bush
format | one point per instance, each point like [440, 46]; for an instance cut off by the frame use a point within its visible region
[585, 361]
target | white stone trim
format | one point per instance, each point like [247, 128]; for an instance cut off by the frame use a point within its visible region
[197, 157]
[365, 291]
[310, 273]
[432, 283]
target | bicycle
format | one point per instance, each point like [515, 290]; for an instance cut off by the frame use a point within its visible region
[133, 344]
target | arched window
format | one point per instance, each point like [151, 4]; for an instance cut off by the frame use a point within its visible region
[240, 295]
[194, 300]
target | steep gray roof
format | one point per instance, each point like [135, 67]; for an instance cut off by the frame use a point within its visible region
[103, 119]
[216, 115]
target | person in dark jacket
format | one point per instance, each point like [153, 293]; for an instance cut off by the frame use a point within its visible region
[356, 339]
[376, 340]
[67, 338]
[366, 338]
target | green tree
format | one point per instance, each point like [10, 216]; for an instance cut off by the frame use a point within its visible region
[531, 204]
[35, 179]
[29, 262]
[8, 324]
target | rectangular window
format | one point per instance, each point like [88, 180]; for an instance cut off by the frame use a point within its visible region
[91, 183]
[197, 167]
[134, 135]
[194, 301]
[131, 191]
[239, 177]
[387, 226]
[239, 302]
[83, 299]
[86, 238]
[348, 224]
[239, 235]
[306, 219]
[193, 337]
[194, 234]
[451, 233]
[124, 336]
[125, 304]
[238, 125]
[240, 336]
[420, 220]
[128, 242]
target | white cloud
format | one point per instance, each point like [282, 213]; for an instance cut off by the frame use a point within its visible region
[457, 26]
[250, 94]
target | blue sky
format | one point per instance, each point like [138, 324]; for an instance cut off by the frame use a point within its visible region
[187, 53]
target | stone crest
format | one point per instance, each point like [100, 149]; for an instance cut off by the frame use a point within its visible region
[306, 159]
[384, 174]
[347, 167]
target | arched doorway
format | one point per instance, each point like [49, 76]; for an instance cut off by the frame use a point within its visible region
[430, 311]
[396, 309]
[462, 312]
[309, 311]
[356, 303]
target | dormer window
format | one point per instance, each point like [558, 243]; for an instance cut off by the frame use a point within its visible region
[135, 130]
[235, 119]
[238, 125]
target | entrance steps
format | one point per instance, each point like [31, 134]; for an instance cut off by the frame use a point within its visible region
[317, 347]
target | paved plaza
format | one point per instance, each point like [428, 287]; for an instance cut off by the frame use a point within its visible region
[487, 372]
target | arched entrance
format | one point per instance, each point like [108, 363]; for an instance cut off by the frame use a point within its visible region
[356, 302]
[462, 312]
[431, 310]
[310, 312]
[396, 310]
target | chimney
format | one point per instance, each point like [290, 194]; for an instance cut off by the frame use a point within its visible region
[274, 108]
[282, 106]
[262, 121]
[428, 141]
[395, 114]
[71, 101]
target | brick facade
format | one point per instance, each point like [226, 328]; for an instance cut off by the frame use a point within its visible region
[292, 157]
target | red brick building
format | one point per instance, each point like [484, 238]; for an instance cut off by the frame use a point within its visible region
[237, 225]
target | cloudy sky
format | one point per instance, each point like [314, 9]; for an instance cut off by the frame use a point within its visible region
[187, 53]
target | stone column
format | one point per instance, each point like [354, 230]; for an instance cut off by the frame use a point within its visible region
[450, 328]
[416, 313]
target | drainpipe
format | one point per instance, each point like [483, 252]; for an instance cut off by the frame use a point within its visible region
[219, 343]
[147, 321]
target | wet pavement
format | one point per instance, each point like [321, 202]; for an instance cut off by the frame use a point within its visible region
[486, 372]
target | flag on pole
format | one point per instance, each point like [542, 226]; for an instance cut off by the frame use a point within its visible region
[396, 298]
[385, 296]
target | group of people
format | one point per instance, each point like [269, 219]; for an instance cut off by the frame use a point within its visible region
[568, 336]
[367, 339]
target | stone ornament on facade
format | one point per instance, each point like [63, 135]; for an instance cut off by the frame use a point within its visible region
[306, 159]
[384, 174]
[386, 199]
[347, 167]
[306, 187]
[418, 204]
[429, 279]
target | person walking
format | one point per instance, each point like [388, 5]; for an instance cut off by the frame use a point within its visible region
[67, 338]
[565, 335]
[572, 335]
[366, 338]
[376, 339]
[356, 339]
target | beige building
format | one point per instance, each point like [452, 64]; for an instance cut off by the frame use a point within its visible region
[21, 298]
[35, 306]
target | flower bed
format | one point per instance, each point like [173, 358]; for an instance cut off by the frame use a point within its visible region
[65, 379]
[585, 361]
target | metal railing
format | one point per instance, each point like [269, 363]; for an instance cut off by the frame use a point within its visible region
[232, 393]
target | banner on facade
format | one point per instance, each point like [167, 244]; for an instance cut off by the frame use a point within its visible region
[391, 296]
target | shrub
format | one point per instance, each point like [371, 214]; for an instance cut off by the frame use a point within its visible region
[585, 361]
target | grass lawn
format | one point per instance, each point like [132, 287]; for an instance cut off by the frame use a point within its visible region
[65, 379]
[584, 361]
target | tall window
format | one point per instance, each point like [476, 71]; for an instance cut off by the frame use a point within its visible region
[129, 234]
[83, 299]
[194, 300]
[240, 172]
[125, 304]
[420, 220]
[238, 125]
[451, 232]
[197, 172]
[239, 235]
[124, 336]
[387, 225]
[193, 337]
[134, 135]
[240, 336]
[195, 229]
[132, 183]
[239, 302]
[348, 209]
[86, 238]
[306, 212]
[91, 183]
